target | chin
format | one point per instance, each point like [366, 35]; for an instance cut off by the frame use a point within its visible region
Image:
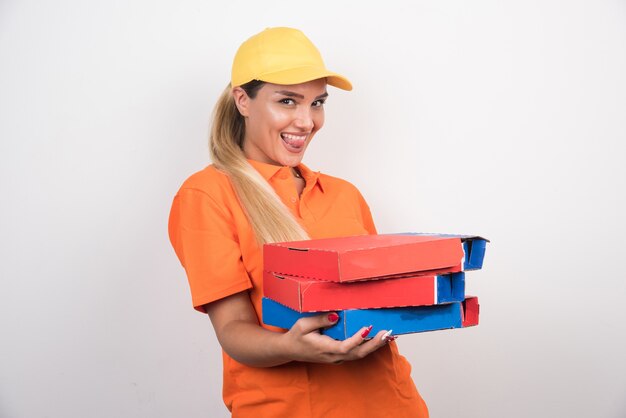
[290, 159]
[291, 162]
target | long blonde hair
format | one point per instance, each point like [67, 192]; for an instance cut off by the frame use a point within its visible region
[271, 220]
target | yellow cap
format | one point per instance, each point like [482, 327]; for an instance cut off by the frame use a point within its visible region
[282, 56]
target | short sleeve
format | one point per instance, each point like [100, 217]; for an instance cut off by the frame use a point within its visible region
[204, 237]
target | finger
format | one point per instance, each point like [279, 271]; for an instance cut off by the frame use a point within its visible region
[382, 337]
[388, 337]
[357, 346]
[309, 324]
[357, 339]
[369, 346]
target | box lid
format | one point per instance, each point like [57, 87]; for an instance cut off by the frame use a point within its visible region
[363, 257]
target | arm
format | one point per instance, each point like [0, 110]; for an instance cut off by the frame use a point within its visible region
[203, 235]
[241, 336]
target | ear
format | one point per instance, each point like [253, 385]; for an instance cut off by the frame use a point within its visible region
[242, 101]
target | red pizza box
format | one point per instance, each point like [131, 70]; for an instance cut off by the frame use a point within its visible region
[310, 295]
[363, 257]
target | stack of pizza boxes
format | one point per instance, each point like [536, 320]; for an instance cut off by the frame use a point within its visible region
[401, 282]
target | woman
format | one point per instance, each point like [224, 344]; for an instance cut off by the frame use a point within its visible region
[258, 191]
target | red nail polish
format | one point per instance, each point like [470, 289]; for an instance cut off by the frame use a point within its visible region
[366, 332]
[333, 317]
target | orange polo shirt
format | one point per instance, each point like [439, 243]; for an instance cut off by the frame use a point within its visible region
[216, 245]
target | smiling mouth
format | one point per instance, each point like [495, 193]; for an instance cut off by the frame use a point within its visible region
[294, 142]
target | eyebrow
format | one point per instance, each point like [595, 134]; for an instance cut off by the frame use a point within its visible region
[298, 96]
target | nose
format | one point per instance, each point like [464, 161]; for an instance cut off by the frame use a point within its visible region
[304, 119]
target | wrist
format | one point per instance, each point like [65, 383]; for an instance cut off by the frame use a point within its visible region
[284, 346]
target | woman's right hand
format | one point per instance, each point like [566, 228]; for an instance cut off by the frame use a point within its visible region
[304, 342]
[240, 335]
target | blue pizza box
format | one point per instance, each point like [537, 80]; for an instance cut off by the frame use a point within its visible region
[474, 247]
[403, 320]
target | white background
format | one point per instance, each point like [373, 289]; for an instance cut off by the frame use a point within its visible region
[504, 119]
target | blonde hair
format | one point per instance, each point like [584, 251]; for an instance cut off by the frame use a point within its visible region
[271, 220]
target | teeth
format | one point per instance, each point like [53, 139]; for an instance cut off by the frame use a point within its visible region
[293, 137]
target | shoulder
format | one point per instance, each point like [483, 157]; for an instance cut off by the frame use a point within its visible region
[204, 197]
[347, 198]
[209, 189]
[336, 185]
[209, 181]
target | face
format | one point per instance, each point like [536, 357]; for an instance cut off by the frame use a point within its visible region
[281, 120]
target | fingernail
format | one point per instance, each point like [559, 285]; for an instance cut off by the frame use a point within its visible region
[386, 335]
[367, 331]
[390, 339]
[333, 317]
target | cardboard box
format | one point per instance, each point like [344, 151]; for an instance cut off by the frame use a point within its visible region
[404, 320]
[309, 295]
[470, 309]
[473, 246]
[364, 257]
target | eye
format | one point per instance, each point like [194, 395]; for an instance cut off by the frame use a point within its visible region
[318, 103]
[287, 101]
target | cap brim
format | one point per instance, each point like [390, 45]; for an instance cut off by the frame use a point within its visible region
[304, 74]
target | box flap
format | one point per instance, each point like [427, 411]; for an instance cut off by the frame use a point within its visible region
[471, 311]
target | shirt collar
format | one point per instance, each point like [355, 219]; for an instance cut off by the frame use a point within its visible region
[269, 170]
[266, 170]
